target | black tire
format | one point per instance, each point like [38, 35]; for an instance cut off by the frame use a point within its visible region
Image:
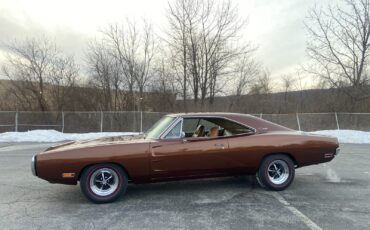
[259, 181]
[99, 190]
[268, 175]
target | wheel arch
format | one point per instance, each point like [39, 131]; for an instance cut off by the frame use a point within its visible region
[115, 163]
[296, 164]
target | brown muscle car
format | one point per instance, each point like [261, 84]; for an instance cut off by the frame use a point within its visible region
[185, 146]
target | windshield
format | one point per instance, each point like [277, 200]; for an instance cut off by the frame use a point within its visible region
[155, 131]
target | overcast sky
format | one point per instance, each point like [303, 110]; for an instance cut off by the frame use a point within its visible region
[275, 26]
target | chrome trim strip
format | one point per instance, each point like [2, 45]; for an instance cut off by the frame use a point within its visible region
[171, 126]
[160, 135]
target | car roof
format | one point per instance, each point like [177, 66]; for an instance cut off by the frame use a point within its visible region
[207, 114]
[246, 119]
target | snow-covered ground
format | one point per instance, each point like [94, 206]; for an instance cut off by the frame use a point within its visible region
[55, 136]
[344, 136]
[347, 136]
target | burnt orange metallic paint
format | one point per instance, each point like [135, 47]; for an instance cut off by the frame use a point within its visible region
[147, 160]
[191, 156]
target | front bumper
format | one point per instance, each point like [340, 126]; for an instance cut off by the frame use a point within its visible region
[33, 165]
[337, 152]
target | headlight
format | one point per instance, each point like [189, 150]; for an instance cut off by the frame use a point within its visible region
[33, 165]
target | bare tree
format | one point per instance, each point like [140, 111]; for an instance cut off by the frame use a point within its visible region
[288, 82]
[164, 86]
[206, 34]
[62, 79]
[338, 46]
[262, 85]
[133, 49]
[178, 41]
[145, 62]
[247, 71]
[104, 74]
[32, 66]
[213, 39]
[261, 90]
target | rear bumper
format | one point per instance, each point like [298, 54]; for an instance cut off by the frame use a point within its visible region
[33, 165]
[337, 152]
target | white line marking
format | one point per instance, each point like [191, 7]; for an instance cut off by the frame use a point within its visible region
[312, 225]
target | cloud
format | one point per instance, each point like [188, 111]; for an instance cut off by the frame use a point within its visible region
[71, 42]
[280, 33]
[275, 26]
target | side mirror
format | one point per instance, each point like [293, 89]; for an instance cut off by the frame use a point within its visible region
[182, 135]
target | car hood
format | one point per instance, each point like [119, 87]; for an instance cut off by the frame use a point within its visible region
[118, 140]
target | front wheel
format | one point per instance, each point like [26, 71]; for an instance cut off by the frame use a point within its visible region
[276, 172]
[103, 183]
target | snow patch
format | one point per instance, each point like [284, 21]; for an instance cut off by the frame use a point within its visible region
[55, 136]
[344, 136]
[347, 136]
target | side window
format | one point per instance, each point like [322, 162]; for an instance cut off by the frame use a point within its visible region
[212, 127]
[175, 131]
[227, 127]
[190, 125]
[232, 128]
[208, 124]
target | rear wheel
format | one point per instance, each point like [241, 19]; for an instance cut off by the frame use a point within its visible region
[276, 172]
[103, 183]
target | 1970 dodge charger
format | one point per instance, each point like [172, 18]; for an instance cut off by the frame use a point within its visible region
[185, 146]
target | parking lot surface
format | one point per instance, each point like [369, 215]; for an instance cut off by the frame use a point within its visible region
[335, 195]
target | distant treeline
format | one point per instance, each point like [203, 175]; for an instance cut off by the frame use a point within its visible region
[91, 99]
[304, 101]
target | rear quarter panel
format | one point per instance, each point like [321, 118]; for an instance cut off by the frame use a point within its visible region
[304, 149]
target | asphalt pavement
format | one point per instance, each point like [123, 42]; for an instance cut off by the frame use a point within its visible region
[335, 195]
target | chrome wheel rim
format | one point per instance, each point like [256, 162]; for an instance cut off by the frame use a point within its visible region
[104, 182]
[278, 171]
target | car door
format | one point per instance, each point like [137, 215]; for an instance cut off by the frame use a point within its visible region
[187, 156]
